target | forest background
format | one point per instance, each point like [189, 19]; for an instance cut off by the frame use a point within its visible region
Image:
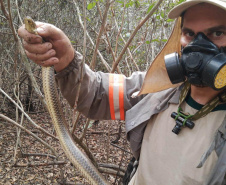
[122, 36]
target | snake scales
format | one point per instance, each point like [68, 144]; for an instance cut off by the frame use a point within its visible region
[77, 158]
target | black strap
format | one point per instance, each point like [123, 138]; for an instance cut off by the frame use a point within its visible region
[130, 171]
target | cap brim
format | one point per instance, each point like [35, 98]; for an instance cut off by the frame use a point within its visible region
[157, 78]
[178, 10]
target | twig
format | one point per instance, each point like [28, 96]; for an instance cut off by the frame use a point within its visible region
[128, 50]
[40, 164]
[108, 41]
[110, 171]
[118, 134]
[103, 132]
[17, 6]
[37, 154]
[29, 132]
[90, 39]
[4, 10]
[112, 166]
[121, 148]
[26, 115]
[83, 61]
[21, 122]
[108, 142]
[93, 63]
[85, 130]
[134, 33]
[85, 148]
[122, 156]
[75, 121]
[11, 23]
[119, 30]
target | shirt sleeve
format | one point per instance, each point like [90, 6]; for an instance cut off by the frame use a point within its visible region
[102, 95]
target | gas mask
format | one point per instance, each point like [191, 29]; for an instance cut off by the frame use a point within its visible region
[202, 63]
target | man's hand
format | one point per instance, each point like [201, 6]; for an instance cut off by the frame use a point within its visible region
[56, 51]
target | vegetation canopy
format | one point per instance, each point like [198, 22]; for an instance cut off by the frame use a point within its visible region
[120, 36]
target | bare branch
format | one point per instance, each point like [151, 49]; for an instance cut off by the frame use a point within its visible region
[91, 41]
[134, 33]
[85, 148]
[28, 117]
[119, 34]
[112, 166]
[11, 23]
[29, 132]
[111, 171]
[107, 6]
[4, 10]
[108, 41]
[40, 164]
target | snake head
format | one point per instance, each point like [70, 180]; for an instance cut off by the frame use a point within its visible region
[30, 25]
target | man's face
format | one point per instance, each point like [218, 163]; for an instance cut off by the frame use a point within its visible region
[205, 18]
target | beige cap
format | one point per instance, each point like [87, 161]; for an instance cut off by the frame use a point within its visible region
[178, 10]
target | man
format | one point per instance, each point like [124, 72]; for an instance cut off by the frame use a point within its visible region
[192, 155]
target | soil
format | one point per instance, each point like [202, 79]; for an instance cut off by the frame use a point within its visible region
[33, 163]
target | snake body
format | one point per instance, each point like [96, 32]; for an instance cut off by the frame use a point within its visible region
[73, 153]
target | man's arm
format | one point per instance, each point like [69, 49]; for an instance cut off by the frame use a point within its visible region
[102, 95]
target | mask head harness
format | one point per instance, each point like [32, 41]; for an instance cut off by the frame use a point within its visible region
[202, 63]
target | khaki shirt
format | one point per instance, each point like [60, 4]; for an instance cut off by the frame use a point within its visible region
[167, 158]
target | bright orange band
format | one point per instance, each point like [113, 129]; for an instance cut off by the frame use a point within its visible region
[116, 96]
[121, 98]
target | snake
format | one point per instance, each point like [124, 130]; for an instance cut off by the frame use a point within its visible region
[73, 153]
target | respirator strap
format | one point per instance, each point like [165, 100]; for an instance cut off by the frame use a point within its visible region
[185, 119]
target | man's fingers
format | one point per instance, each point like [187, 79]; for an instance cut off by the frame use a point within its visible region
[41, 57]
[46, 63]
[56, 50]
[49, 31]
[29, 37]
[37, 48]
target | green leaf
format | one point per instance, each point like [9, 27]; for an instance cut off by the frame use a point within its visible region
[129, 4]
[181, 1]
[155, 40]
[73, 42]
[137, 4]
[150, 7]
[147, 42]
[164, 40]
[169, 20]
[91, 5]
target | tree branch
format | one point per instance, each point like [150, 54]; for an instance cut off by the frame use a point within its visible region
[26, 115]
[134, 33]
[90, 39]
[107, 6]
[29, 132]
